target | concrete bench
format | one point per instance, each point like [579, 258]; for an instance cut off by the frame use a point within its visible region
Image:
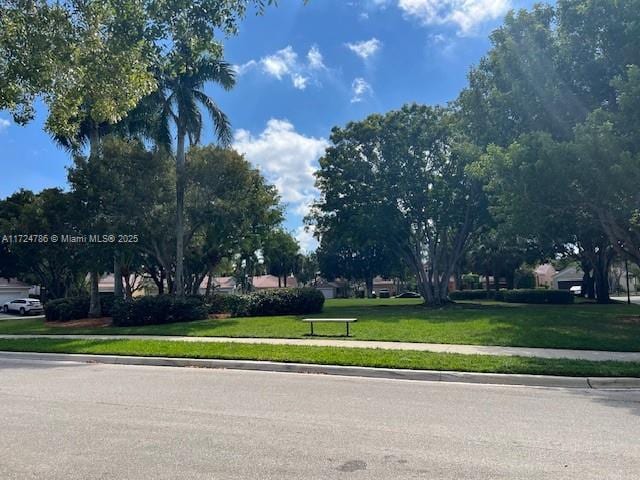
[346, 321]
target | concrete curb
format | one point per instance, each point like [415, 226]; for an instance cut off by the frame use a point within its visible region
[384, 373]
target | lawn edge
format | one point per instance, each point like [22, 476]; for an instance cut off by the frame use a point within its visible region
[340, 370]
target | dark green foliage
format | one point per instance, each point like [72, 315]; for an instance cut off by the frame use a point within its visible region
[525, 279]
[288, 301]
[477, 294]
[75, 308]
[555, 297]
[235, 305]
[63, 309]
[285, 301]
[158, 310]
[106, 303]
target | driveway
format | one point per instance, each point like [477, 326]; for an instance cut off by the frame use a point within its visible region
[634, 299]
[78, 421]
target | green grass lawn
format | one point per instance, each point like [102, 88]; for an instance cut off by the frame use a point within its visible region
[586, 326]
[326, 355]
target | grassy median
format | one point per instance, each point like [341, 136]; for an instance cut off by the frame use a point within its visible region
[327, 355]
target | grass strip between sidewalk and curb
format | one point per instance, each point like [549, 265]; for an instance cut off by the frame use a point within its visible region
[362, 357]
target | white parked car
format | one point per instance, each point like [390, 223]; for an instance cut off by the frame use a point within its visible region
[577, 290]
[23, 306]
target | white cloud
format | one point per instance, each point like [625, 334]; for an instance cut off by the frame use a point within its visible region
[366, 48]
[316, 61]
[4, 124]
[304, 236]
[245, 67]
[287, 158]
[359, 89]
[285, 63]
[467, 15]
[281, 63]
[299, 81]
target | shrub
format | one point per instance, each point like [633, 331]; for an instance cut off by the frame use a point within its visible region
[286, 301]
[158, 310]
[540, 296]
[106, 302]
[469, 295]
[63, 309]
[235, 305]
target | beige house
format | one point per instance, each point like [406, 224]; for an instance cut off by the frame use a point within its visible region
[544, 275]
[228, 285]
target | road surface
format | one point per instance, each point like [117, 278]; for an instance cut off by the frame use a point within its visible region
[79, 421]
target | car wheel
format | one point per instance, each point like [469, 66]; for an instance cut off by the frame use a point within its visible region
[6, 309]
[22, 312]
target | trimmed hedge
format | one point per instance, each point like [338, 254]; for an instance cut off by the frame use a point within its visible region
[75, 308]
[538, 296]
[63, 309]
[158, 310]
[285, 301]
[477, 295]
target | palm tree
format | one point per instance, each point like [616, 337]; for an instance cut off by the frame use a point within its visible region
[182, 94]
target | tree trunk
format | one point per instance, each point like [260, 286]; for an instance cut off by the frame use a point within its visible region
[369, 287]
[601, 272]
[118, 290]
[209, 285]
[95, 310]
[180, 189]
[285, 280]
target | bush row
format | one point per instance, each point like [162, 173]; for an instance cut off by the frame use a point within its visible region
[158, 310]
[530, 295]
[287, 301]
[75, 308]
[555, 297]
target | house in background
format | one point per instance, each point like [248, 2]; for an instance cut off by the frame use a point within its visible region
[380, 283]
[11, 289]
[228, 285]
[268, 282]
[567, 278]
[335, 289]
[106, 284]
[544, 275]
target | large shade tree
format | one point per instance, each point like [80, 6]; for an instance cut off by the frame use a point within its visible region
[408, 171]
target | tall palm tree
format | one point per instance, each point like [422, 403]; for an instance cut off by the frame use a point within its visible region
[182, 95]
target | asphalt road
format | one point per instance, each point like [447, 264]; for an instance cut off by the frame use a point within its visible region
[78, 421]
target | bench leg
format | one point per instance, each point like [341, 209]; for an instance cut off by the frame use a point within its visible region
[311, 323]
[347, 328]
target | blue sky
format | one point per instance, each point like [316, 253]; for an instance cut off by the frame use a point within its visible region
[301, 71]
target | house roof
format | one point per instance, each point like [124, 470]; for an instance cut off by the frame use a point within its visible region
[220, 282]
[569, 274]
[271, 281]
[382, 281]
[12, 283]
[108, 281]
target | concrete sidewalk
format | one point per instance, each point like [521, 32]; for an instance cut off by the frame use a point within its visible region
[592, 355]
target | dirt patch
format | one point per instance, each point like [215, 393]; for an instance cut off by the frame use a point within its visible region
[82, 323]
[630, 320]
[218, 316]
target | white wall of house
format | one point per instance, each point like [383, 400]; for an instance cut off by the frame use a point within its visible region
[8, 294]
[328, 292]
